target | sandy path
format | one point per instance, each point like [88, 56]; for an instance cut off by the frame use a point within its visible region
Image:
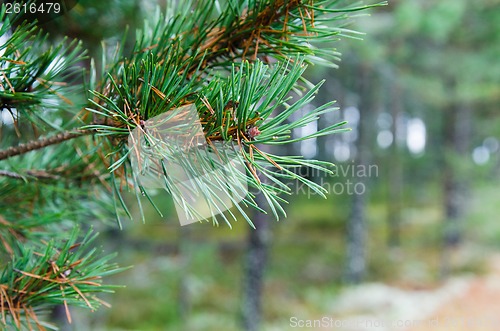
[469, 303]
[477, 309]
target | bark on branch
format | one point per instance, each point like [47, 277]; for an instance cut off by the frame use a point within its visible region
[41, 143]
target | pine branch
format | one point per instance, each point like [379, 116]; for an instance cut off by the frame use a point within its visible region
[11, 174]
[245, 32]
[41, 143]
[64, 272]
[37, 81]
[38, 174]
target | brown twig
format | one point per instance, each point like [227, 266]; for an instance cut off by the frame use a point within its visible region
[41, 143]
[6, 173]
[245, 34]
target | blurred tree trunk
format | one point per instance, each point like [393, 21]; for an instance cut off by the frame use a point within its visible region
[356, 228]
[455, 185]
[60, 319]
[457, 131]
[333, 91]
[185, 253]
[356, 264]
[255, 264]
[395, 172]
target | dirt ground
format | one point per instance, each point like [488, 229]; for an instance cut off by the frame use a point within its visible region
[470, 303]
[477, 309]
